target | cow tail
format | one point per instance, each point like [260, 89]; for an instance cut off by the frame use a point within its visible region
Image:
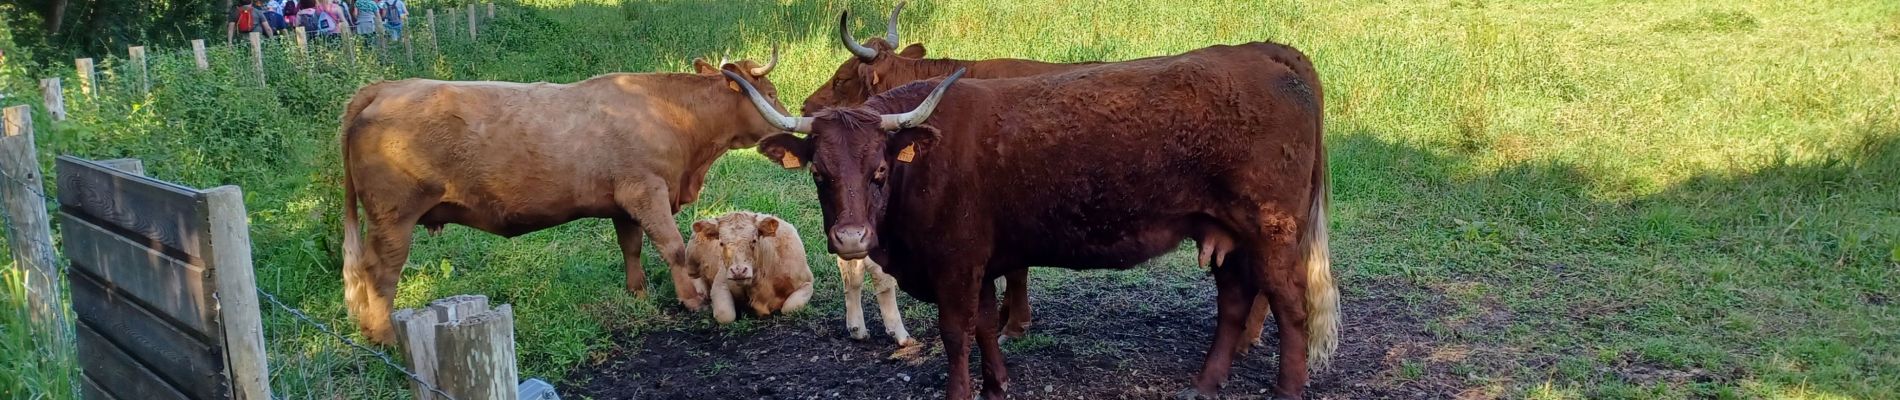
[352, 237]
[1322, 297]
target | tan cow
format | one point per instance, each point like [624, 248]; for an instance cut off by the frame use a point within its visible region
[512, 158]
[750, 256]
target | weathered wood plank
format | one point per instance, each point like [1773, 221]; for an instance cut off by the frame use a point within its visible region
[89, 390]
[130, 165]
[159, 211]
[169, 287]
[172, 353]
[237, 293]
[415, 335]
[125, 378]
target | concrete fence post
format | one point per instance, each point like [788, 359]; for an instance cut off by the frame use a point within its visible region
[198, 54]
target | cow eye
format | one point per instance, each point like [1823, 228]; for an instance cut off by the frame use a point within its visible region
[878, 177]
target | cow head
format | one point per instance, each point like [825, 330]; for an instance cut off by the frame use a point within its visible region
[851, 152]
[736, 242]
[874, 65]
[753, 74]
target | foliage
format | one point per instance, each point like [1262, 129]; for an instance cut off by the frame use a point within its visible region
[1589, 187]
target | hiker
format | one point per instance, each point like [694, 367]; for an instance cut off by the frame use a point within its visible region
[317, 22]
[248, 17]
[274, 14]
[365, 14]
[394, 13]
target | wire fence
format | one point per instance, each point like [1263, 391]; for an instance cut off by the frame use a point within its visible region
[302, 352]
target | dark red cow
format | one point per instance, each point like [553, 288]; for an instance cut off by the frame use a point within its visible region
[1103, 167]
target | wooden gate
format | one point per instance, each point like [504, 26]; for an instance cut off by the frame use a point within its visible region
[162, 286]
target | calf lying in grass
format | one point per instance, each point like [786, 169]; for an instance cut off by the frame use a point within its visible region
[753, 257]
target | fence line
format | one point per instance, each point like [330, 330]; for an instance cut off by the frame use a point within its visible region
[23, 187]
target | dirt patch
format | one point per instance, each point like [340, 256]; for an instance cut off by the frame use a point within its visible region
[1095, 336]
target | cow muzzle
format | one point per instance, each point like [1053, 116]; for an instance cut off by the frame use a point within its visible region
[740, 273]
[851, 242]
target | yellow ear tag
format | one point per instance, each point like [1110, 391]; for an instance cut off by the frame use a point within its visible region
[790, 161]
[734, 86]
[908, 153]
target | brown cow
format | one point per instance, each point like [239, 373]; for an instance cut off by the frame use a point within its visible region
[514, 158]
[1103, 167]
[875, 68]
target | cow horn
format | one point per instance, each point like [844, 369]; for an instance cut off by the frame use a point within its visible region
[917, 116]
[769, 65]
[800, 125]
[844, 33]
[890, 28]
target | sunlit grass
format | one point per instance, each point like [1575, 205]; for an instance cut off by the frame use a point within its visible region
[1664, 185]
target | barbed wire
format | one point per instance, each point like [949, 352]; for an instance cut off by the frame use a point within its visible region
[7, 218]
[386, 359]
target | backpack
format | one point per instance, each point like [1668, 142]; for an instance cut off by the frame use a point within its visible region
[391, 14]
[316, 21]
[245, 21]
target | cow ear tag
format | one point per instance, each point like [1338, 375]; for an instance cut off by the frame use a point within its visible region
[790, 161]
[907, 154]
[734, 86]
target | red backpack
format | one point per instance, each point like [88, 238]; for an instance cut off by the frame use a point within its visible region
[244, 21]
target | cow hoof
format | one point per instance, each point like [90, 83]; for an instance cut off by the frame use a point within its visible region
[858, 333]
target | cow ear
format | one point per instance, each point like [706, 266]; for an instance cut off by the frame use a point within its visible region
[915, 50]
[706, 228]
[768, 226]
[788, 151]
[907, 144]
[704, 68]
[735, 68]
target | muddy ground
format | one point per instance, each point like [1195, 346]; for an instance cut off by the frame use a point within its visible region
[1094, 337]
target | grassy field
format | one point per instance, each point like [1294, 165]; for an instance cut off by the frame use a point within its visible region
[1583, 199]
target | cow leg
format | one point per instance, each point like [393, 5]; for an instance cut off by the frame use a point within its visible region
[887, 305]
[375, 284]
[956, 315]
[1235, 290]
[995, 372]
[1016, 303]
[1285, 283]
[852, 273]
[798, 299]
[723, 309]
[651, 208]
[1256, 322]
[627, 233]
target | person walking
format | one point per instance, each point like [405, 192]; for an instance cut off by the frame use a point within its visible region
[248, 17]
[315, 21]
[395, 12]
[366, 13]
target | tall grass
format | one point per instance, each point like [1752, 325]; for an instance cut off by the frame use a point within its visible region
[1594, 187]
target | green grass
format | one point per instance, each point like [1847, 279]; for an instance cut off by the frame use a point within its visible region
[1582, 187]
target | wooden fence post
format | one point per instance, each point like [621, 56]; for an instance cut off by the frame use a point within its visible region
[475, 357]
[381, 32]
[198, 54]
[349, 40]
[434, 50]
[55, 98]
[138, 58]
[88, 80]
[257, 54]
[491, 10]
[471, 21]
[237, 291]
[303, 40]
[29, 229]
[461, 347]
